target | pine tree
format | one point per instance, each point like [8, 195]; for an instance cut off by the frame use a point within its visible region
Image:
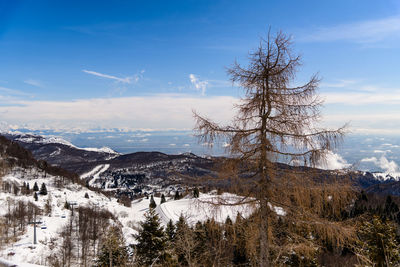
[86, 195]
[153, 204]
[200, 238]
[170, 231]
[196, 192]
[27, 187]
[177, 195]
[35, 196]
[43, 189]
[163, 199]
[151, 240]
[35, 187]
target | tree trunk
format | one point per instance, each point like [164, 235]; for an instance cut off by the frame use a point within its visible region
[264, 246]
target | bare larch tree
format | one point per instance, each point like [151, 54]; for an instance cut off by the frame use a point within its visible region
[275, 121]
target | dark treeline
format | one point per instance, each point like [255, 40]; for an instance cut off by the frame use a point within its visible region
[15, 155]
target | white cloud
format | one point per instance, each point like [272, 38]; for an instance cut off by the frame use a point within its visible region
[370, 31]
[12, 92]
[35, 83]
[128, 80]
[362, 98]
[149, 112]
[338, 84]
[383, 163]
[333, 161]
[199, 85]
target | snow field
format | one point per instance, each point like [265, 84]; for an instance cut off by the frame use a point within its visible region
[193, 209]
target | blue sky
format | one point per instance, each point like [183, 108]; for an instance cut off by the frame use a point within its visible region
[90, 65]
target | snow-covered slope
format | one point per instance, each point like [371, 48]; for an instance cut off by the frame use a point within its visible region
[205, 207]
[95, 173]
[23, 250]
[385, 176]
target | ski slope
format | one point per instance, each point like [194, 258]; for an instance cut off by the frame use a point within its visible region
[95, 173]
[207, 206]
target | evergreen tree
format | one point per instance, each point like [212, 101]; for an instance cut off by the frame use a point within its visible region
[43, 189]
[27, 187]
[378, 240]
[228, 229]
[35, 196]
[86, 195]
[391, 208]
[170, 231]
[113, 251]
[196, 192]
[35, 187]
[66, 205]
[177, 195]
[200, 238]
[180, 224]
[163, 199]
[153, 204]
[151, 240]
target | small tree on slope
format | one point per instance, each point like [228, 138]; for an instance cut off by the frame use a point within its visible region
[163, 200]
[35, 187]
[153, 204]
[43, 189]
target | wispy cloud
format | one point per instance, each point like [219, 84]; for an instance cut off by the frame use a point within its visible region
[370, 31]
[339, 84]
[12, 92]
[128, 79]
[198, 84]
[35, 83]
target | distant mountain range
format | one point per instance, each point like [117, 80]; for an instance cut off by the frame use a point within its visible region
[110, 170]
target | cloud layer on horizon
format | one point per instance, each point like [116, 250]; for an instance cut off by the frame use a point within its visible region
[150, 112]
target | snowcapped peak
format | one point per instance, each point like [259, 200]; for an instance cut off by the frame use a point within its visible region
[385, 176]
[31, 138]
[103, 149]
